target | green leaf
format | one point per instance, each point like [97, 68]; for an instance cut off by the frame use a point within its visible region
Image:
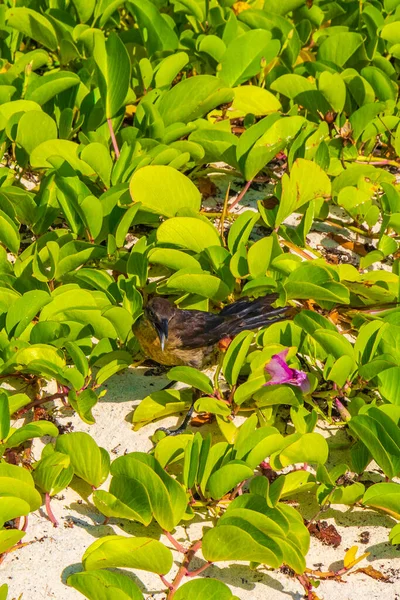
[4, 416]
[45, 129]
[168, 69]
[125, 223]
[339, 48]
[172, 259]
[31, 430]
[192, 98]
[9, 235]
[236, 355]
[11, 508]
[129, 552]
[164, 190]
[204, 589]
[389, 384]
[250, 99]
[384, 496]
[83, 402]
[9, 538]
[191, 377]
[201, 283]
[97, 156]
[246, 55]
[279, 132]
[334, 343]
[227, 477]
[105, 585]
[42, 155]
[43, 89]
[240, 230]
[218, 145]
[160, 404]
[394, 536]
[310, 448]
[34, 25]
[307, 182]
[243, 534]
[114, 71]
[84, 8]
[334, 89]
[12, 487]
[188, 232]
[89, 462]
[134, 505]
[166, 496]
[155, 30]
[53, 472]
[380, 435]
[24, 310]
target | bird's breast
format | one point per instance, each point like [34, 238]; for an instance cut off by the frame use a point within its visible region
[172, 355]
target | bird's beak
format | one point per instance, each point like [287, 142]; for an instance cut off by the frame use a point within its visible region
[162, 332]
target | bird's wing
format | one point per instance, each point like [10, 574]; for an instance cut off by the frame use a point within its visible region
[245, 307]
[194, 329]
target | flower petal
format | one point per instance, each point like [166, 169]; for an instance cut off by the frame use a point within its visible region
[278, 369]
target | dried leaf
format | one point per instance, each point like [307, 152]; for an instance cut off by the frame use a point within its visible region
[207, 187]
[350, 557]
[356, 247]
[327, 534]
[374, 573]
[239, 7]
[203, 419]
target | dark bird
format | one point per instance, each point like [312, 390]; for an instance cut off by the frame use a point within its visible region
[173, 336]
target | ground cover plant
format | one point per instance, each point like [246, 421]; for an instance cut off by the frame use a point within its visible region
[112, 117]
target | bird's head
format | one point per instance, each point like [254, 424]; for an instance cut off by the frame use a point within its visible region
[159, 312]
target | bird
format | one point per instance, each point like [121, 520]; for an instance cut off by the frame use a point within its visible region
[174, 337]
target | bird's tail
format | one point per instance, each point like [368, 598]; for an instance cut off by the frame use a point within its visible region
[245, 314]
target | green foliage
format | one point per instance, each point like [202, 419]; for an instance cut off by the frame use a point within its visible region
[111, 117]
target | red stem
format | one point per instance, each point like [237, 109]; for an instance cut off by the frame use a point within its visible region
[174, 542]
[242, 193]
[50, 512]
[113, 138]
[199, 570]
[167, 584]
[183, 570]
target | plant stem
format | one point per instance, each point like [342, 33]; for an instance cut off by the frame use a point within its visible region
[174, 542]
[43, 400]
[113, 138]
[167, 584]
[297, 250]
[224, 212]
[199, 570]
[241, 195]
[303, 579]
[50, 512]
[184, 570]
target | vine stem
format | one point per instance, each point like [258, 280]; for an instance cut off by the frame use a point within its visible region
[184, 570]
[50, 513]
[305, 582]
[43, 400]
[241, 195]
[174, 542]
[113, 138]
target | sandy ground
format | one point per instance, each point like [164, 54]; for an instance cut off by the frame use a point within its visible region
[39, 570]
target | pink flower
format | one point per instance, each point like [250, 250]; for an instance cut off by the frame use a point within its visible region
[281, 373]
